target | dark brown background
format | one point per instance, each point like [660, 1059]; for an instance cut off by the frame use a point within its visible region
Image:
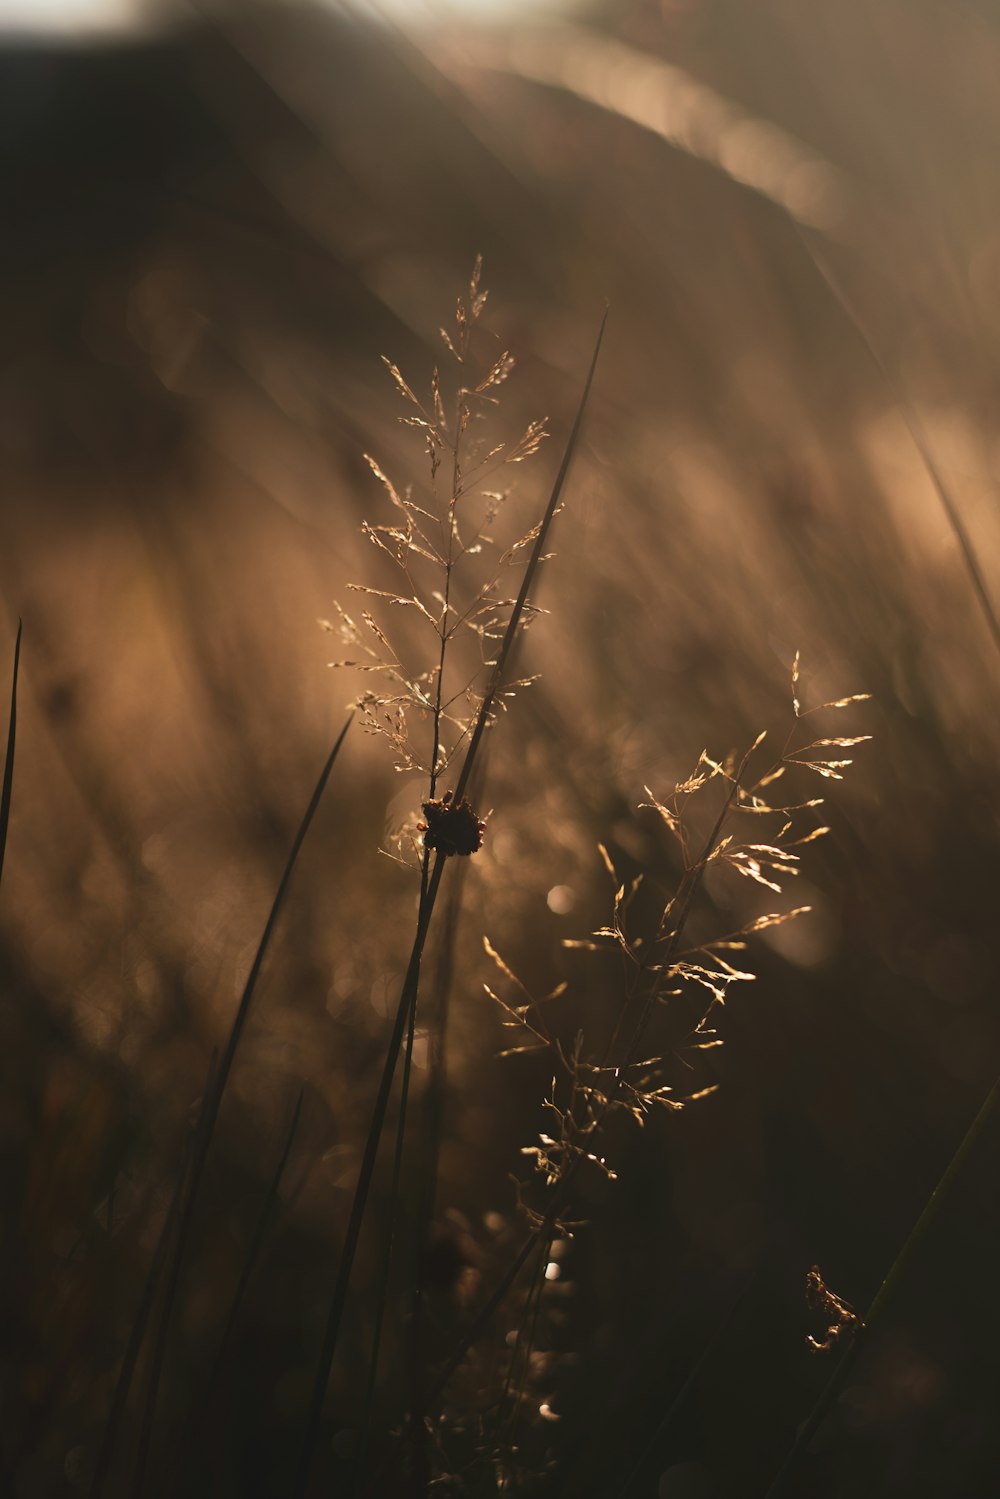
[208, 241]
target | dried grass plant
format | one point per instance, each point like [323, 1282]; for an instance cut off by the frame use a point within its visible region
[428, 543]
[663, 1019]
[480, 1390]
[451, 569]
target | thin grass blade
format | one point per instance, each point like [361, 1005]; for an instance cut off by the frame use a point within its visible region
[8, 768]
[210, 1113]
[918, 437]
[806, 1432]
[366, 1172]
[253, 1253]
[885, 1295]
[140, 1322]
[387, 1255]
[537, 552]
[264, 1221]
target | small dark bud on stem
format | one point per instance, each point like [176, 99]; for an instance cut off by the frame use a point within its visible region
[452, 827]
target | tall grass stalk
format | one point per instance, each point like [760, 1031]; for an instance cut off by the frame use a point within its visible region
[431, 875]
[382, 1293]
[427, 1158]
[360, 1200]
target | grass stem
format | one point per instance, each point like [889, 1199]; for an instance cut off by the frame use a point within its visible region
[8, 767]
[411, 980]
[210, 1112]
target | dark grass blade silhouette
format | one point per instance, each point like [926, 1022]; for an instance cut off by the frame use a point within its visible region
[428, 1151]
[886, 1292]
[640, 1468]
[917, 435]
[182, 1209]
[202, 1414]
[253, 1254]
[140, 1322]
[935, 1203]
[387, 1255]
[209, 1116]
[407, 999]
[537, 551]
[365, 1174]
[6, 1477]
[8, 767]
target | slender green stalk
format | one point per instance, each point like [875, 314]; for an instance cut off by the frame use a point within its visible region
[8, 768]
[211, 1104]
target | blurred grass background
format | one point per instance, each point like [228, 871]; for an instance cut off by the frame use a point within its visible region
[211, 236]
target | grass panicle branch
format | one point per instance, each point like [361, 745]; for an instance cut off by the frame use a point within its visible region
[658, 970]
